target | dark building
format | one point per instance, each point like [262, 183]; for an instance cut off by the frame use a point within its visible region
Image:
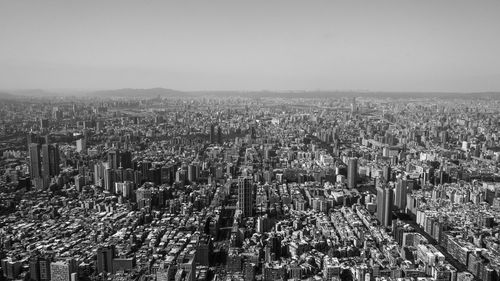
[35, 167]
[113, 159]
[387, 173]
[126, 159]
[245, 196]
[44, 123]
[385, 198]
[39, 269]
[50, 160]
[105, 257]
[212, 133]
[352, 173]
[219, 135]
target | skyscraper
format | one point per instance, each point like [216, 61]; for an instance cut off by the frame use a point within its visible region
[50, 160]
[352, 172]
[245, 196]
[387, 173]
[385, 198]
[109, 179]
[403, 187]
[113, 159]
[35, 167]
[219, 135]
[212, 133]
[125, 159]
[354, 107]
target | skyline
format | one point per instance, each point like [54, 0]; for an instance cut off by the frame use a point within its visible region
[388, 46]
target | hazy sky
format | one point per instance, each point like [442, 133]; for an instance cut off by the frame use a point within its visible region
[435, 45]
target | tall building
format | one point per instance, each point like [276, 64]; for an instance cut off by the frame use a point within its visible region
[11, 268]
[219, 135]
[81, 145]
[44, 269]
[193, 172]
[44, 123]
[245, 196]
[352, 172]
[212, 133]
[50, 160]
[385, 199]
[35, 167]
[63, 270]
[109, 179]
[113, 159]
[105, 257]
[126, 159]
[39, 269]
[354, 107]
[34, 269]
[387, 173]
[403, 187]
[99, 169]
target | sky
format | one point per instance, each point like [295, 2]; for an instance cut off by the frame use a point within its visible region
[399, 45]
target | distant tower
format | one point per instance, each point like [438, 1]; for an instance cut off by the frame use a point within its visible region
[44, 123]
[212, 133]
[219, 135]
[352, 173]
[354, 107]
[385, 198]
[245, 196]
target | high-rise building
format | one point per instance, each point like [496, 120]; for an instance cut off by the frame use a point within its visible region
[125, 159]
[352, 172]
[63, 270]
[35, 167]
[44, 123]
[81, 146]
[212, 133]
[219, 135]
[109, 179]
[11, 268]
[245, 196]
[105, 257]
[50, 160]
[403, 187]
[385, 199]
[39, 269]
[354, 107]
[34, 269]
[44, 269]
[113, 159]
[99, 169]
[193, 172]
[386, 171]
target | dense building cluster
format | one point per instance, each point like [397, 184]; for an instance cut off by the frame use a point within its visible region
[250, 188]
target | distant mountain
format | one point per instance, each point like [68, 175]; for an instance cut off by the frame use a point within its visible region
[484, 95]
[7, 96]
[139, 93]
[33, 93]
